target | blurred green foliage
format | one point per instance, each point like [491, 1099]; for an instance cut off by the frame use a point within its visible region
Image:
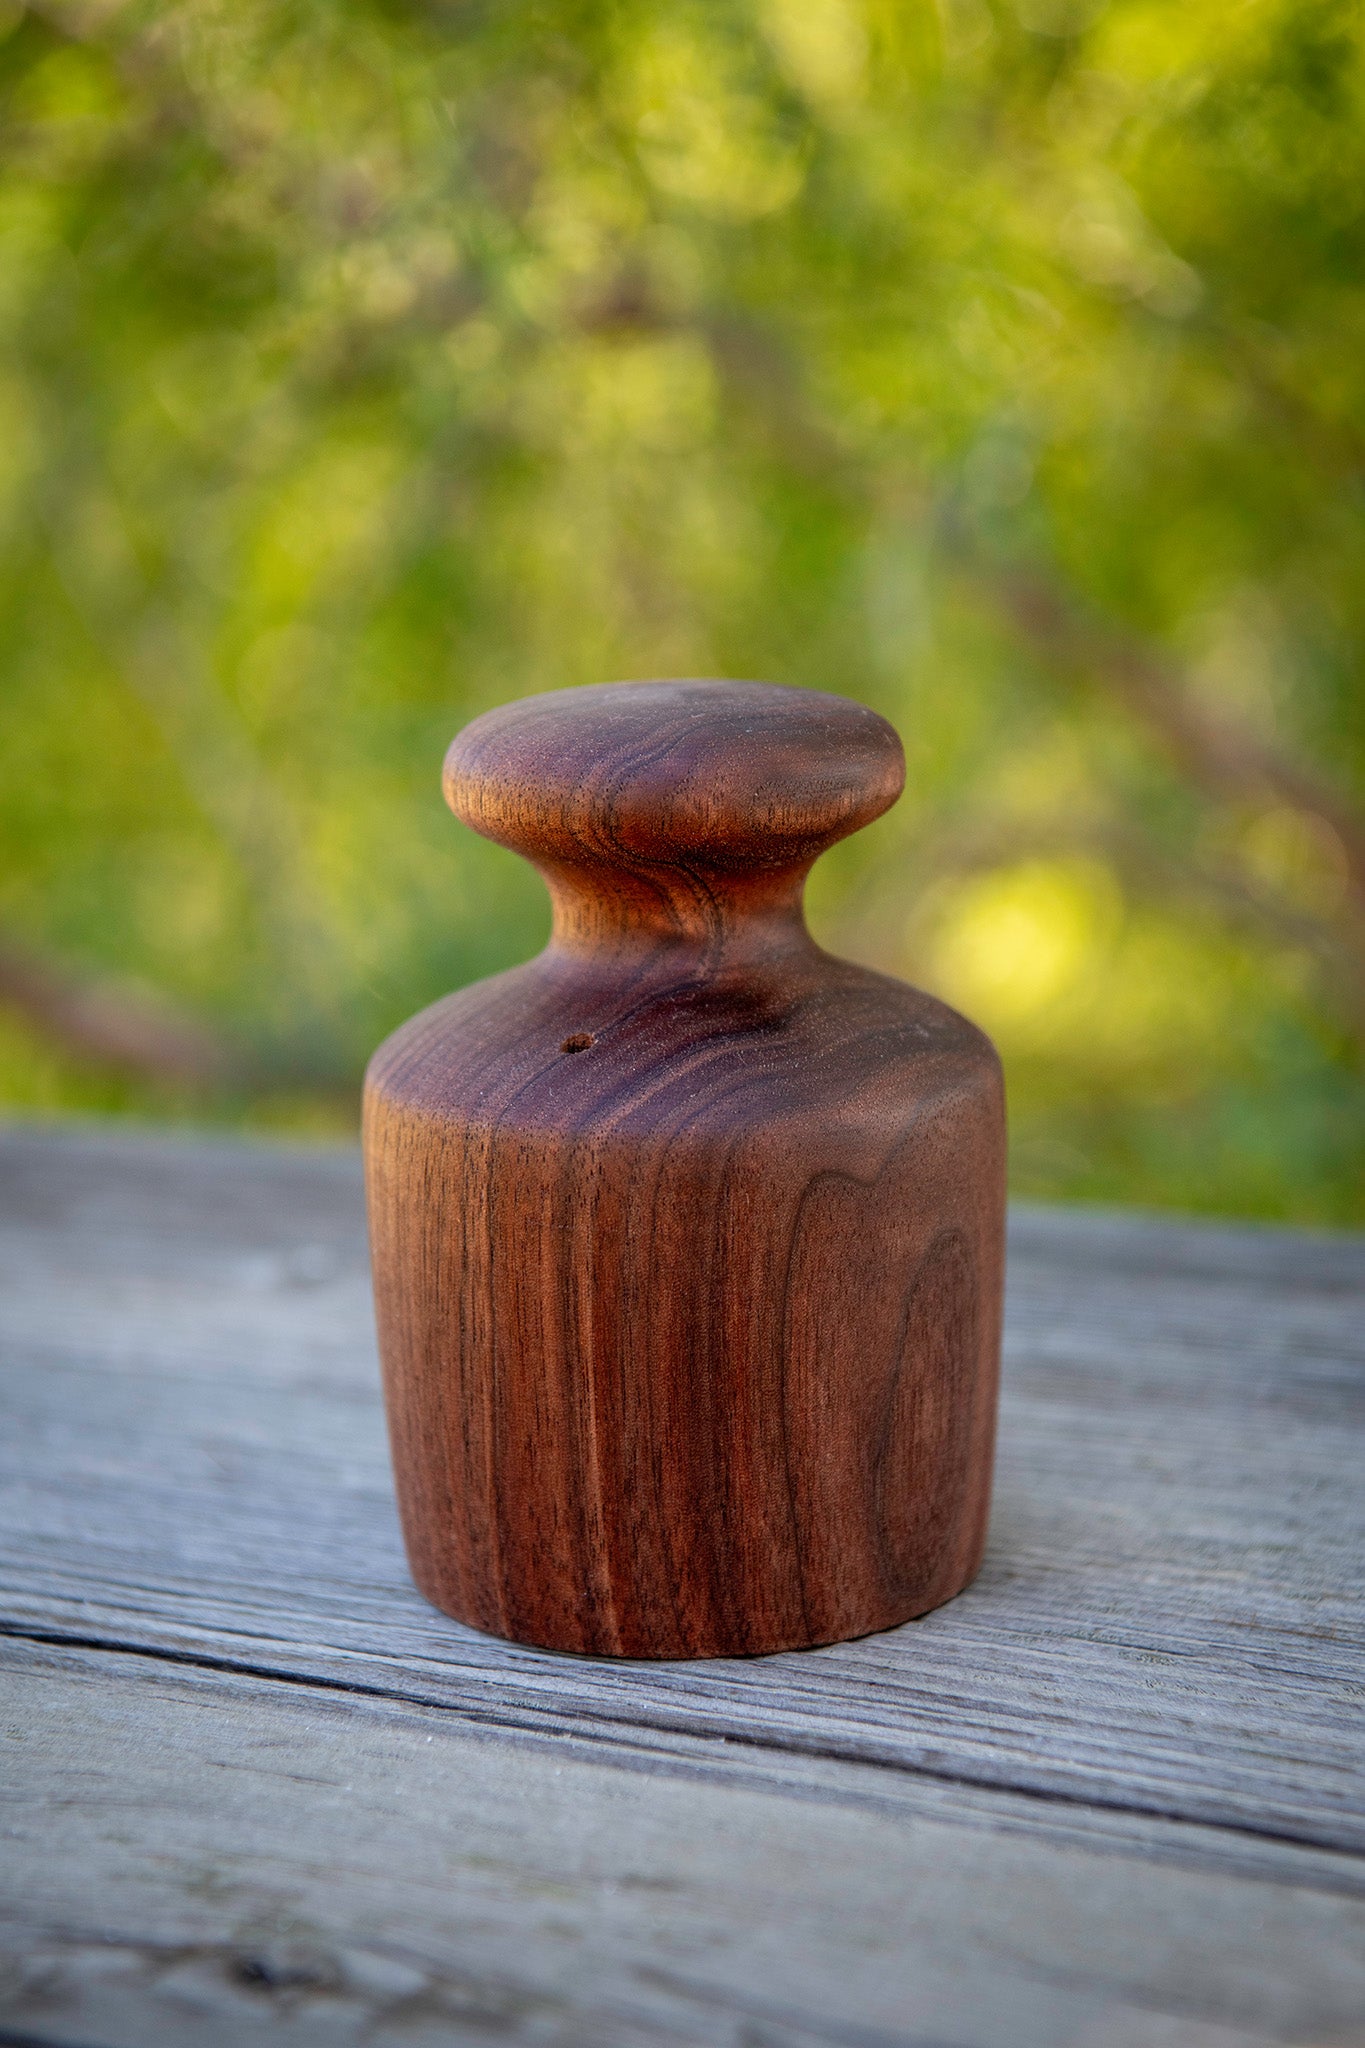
[1000, 363]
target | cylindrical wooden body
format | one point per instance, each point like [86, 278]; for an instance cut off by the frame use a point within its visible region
[687, 1238]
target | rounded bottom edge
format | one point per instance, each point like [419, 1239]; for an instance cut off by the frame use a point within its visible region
[714, 1649]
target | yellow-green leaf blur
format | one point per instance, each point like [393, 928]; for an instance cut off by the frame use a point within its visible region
[1000, 363]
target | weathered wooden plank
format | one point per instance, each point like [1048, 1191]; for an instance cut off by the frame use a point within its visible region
[1168, 1623]
[192, 1855]
[1109, 1799]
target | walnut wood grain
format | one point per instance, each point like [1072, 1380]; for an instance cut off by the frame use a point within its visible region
[687, 1237]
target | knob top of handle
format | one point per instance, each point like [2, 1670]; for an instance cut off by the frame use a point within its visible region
[715, 775]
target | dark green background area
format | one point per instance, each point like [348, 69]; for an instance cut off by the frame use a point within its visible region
[1002, 366]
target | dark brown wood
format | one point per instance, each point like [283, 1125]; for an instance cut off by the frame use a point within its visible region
[687, 1237]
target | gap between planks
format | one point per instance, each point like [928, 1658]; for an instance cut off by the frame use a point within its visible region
[884, 1784]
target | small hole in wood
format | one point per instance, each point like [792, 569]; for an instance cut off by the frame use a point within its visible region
[577, 1041]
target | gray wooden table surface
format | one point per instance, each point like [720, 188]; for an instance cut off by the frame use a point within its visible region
[255, 1789]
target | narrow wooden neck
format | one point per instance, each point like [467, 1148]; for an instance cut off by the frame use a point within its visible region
[701, 922]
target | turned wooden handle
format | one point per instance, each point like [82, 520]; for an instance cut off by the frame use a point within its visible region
[718, 775]
[687, 1237]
